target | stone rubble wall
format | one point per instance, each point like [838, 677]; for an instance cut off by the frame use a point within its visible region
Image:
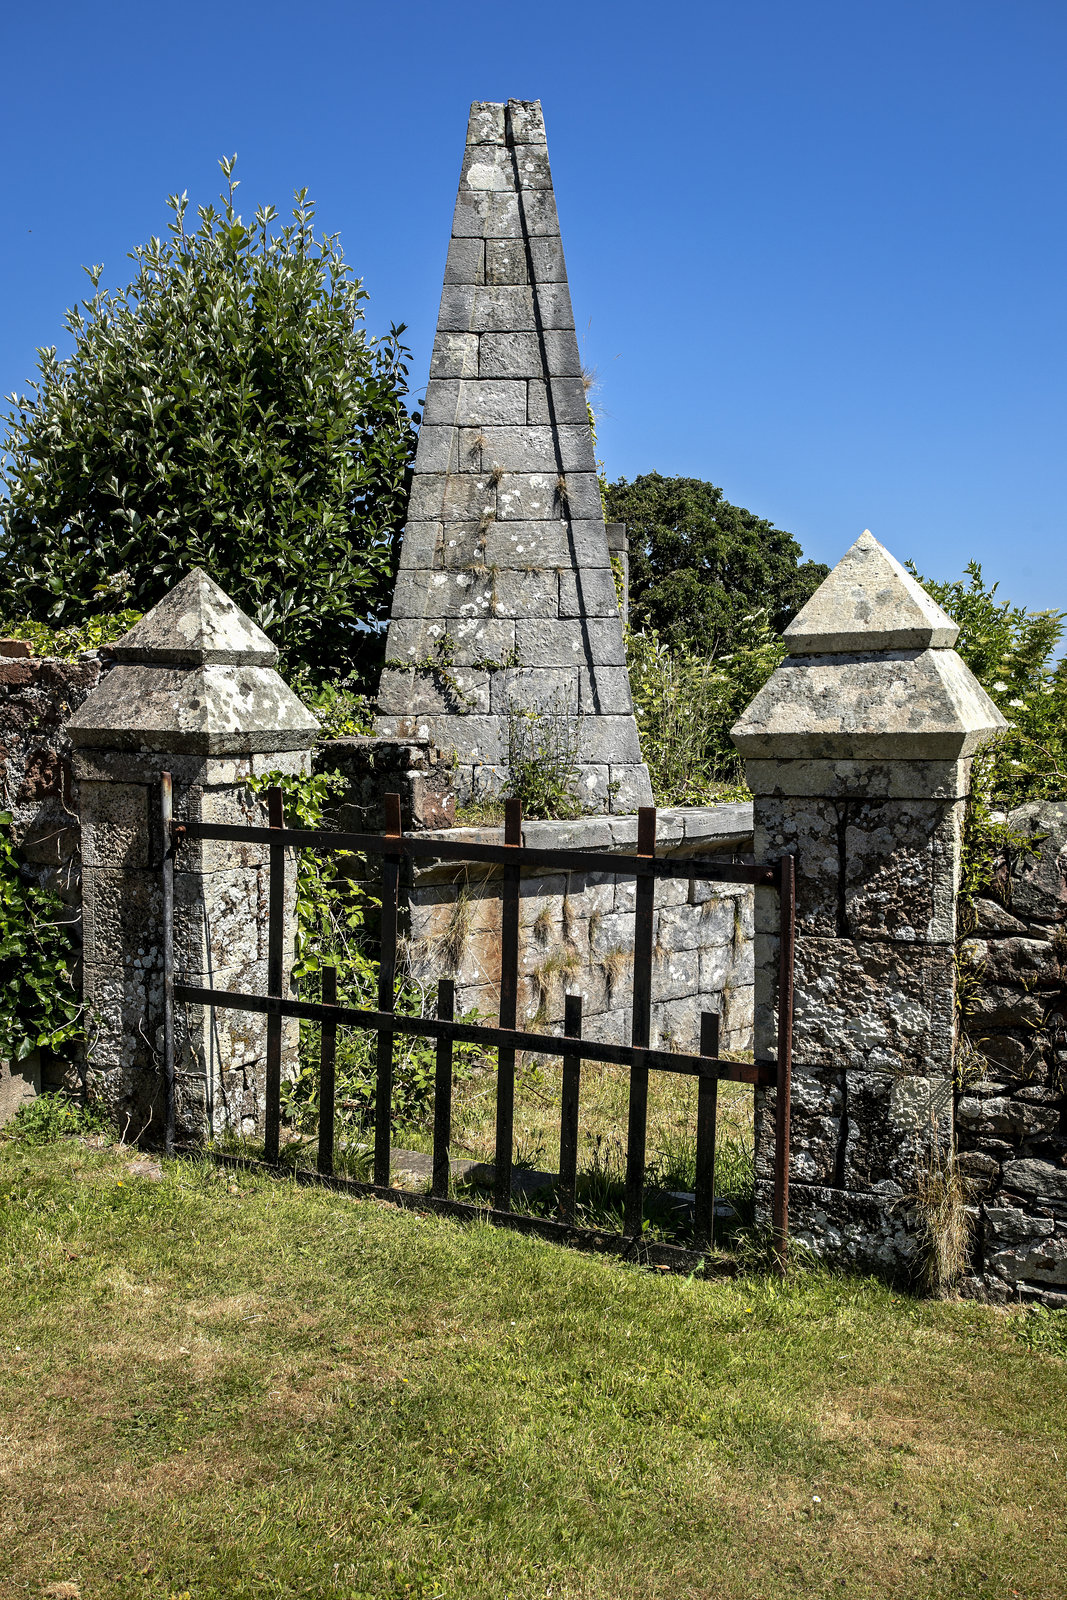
[1011, 1109]
[873, 1008]
[37, 698]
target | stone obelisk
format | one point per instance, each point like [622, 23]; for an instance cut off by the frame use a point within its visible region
[505, 624]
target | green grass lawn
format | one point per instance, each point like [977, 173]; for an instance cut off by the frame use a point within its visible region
[222, 1386]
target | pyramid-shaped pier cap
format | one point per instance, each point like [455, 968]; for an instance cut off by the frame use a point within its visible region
[194, 676]
[196, 623]
[505, 602]
[871, 675]
[869, 595]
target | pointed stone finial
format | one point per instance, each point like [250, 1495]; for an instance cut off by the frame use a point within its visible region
[196, 623]
[194, 677]
[870, 676]
[869, 602]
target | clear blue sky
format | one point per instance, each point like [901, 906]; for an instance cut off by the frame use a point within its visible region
[816, 249]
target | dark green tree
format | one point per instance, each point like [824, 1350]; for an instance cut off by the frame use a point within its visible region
[700, 566]
[227, 409]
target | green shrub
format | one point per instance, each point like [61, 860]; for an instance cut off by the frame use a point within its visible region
[51, 1117]
[685, 706]
[338, 924]
[39, 1008]
[226, 409]
[76, 638]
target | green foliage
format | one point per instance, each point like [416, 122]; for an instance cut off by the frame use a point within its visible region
[51, 1117]
[1011, 652]
[543, 760]
[338, 924]
[686, 704]
[74, 640]
[226, 409]
[1044, 1331]
[38, 1006]
[341, 706]
[700, 566]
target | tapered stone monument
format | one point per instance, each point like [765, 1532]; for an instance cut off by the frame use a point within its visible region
[505, 635]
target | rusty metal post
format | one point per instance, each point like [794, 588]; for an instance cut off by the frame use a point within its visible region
[783, 1092]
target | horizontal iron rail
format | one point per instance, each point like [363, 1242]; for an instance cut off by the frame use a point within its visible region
[526, 855]
[623, 1055]
[672, 1257]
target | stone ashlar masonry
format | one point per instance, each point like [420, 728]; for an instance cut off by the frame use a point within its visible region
[1011, 1110]
[577, 931]
[506, 601]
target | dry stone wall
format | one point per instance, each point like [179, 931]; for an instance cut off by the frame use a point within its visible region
[1011, 1111]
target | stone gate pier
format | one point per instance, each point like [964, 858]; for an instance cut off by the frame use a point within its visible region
[858, 752]
[194, 693]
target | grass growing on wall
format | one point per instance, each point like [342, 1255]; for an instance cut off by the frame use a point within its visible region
[222, 1387]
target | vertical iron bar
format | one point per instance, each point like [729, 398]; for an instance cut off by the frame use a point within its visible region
[442, 1093]
[707, 1115]
[275, 975]
[642, 1024]
[509, 1000]
[383, 1098]
[327, 1073]
[568, 1125]
[166, 807]
[783, 1092]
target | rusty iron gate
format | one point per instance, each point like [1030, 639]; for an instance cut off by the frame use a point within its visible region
[506, 1038]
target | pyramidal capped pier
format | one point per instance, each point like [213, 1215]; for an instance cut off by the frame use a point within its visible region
[505, 638]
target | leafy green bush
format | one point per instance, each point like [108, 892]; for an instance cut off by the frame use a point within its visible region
[51, 1117]
[38, 1005]
[226, 409]
[74, 640]
[699, 565]
[686, 704]
[1012, 653]
[338, 924]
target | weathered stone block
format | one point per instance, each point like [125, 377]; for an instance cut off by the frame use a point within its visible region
[608, 739]
[604, 691]
[883, 1007]
[410, 693]
[525, 355]
[588, 592]
[568, 401]
[552, 689]
[455, 355]
[473, 403]
[1038, 1181]
[573, 643]
[463, 640]
[1039, 880]
[563, 449]
[865, 868]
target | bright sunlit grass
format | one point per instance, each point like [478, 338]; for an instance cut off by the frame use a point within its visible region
[229, 1386]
